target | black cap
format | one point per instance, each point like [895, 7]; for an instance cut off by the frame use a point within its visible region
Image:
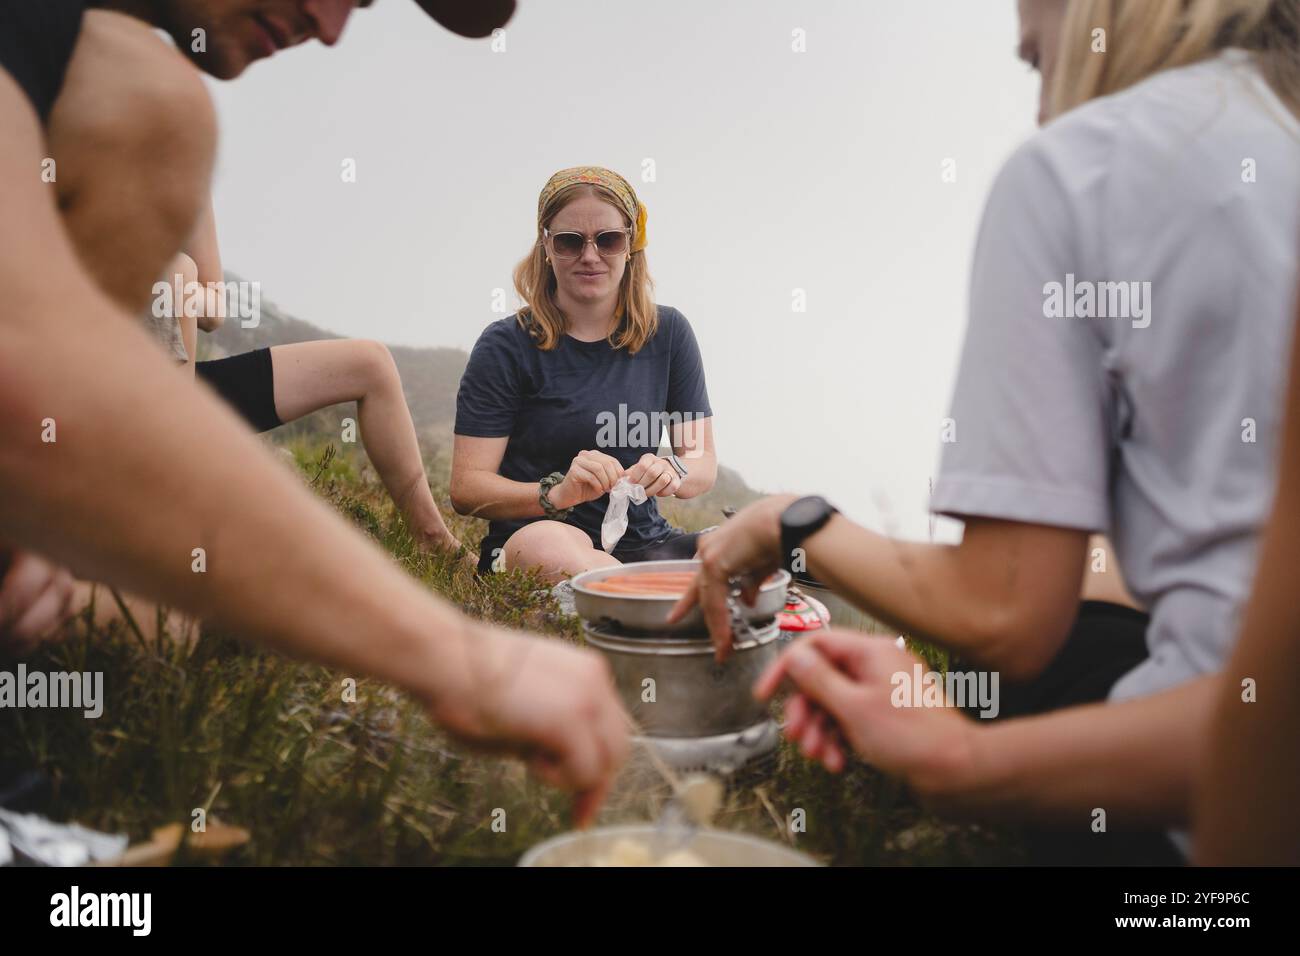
[470, 18]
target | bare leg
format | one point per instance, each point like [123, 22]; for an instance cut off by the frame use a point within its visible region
[314, 375]
[557, 550]
[133, 136]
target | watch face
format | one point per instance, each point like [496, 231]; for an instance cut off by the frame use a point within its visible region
[805, 511]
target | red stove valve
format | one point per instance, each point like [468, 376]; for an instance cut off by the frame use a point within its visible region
[798, 615]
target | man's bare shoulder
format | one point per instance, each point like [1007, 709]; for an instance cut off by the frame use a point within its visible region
[134, 68]
[130, 36]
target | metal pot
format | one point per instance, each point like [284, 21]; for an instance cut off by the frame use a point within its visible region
[649, 613]
[691, 695]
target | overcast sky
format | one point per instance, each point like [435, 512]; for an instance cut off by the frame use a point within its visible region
[775, 171]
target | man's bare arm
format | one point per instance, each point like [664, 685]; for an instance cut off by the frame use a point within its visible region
[1134, 759]
[1007, 595]
[145, 470]
[118, 467]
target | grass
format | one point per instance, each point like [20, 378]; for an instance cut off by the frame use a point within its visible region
[271, 745]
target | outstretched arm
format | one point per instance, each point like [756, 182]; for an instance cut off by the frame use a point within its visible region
[113, 465]
[1134, 759]
[1006, 595]
[136, 471]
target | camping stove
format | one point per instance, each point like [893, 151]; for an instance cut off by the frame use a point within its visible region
[696, 713]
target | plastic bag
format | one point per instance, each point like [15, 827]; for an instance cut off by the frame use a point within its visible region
[614, 526]
[31, 839]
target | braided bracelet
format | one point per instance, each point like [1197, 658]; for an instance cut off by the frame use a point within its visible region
[543, 491]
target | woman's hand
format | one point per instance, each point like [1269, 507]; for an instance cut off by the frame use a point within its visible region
[551, 704]
[656, 475]
[844, 684]
[591, 474]
[747, 546]
[35, 598]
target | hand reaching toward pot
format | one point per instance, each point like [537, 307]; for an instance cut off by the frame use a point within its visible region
[748, 546]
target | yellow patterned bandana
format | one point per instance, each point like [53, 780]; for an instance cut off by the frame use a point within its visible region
[598, 176]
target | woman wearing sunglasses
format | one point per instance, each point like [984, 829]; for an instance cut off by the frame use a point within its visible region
[561, 400]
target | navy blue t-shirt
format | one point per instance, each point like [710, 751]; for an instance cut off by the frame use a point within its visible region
[577, 397]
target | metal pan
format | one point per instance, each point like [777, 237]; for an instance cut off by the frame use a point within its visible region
[648, 614]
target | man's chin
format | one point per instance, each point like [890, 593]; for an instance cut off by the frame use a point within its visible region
[219, 65]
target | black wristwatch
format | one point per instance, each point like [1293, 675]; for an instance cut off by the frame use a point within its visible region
[678, 466]
[801, 520]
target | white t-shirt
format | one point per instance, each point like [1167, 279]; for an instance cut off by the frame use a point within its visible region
[1158, 426]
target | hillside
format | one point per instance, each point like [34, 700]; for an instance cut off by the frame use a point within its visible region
[430, 377]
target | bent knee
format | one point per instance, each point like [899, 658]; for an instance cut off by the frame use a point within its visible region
[375, 363]
[545, 544]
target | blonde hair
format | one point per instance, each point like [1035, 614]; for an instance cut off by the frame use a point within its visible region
[1145, 36]
[535, 283]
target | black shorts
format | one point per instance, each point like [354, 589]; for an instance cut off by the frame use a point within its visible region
[676, 545]
[247, 383]
[1106, 642]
